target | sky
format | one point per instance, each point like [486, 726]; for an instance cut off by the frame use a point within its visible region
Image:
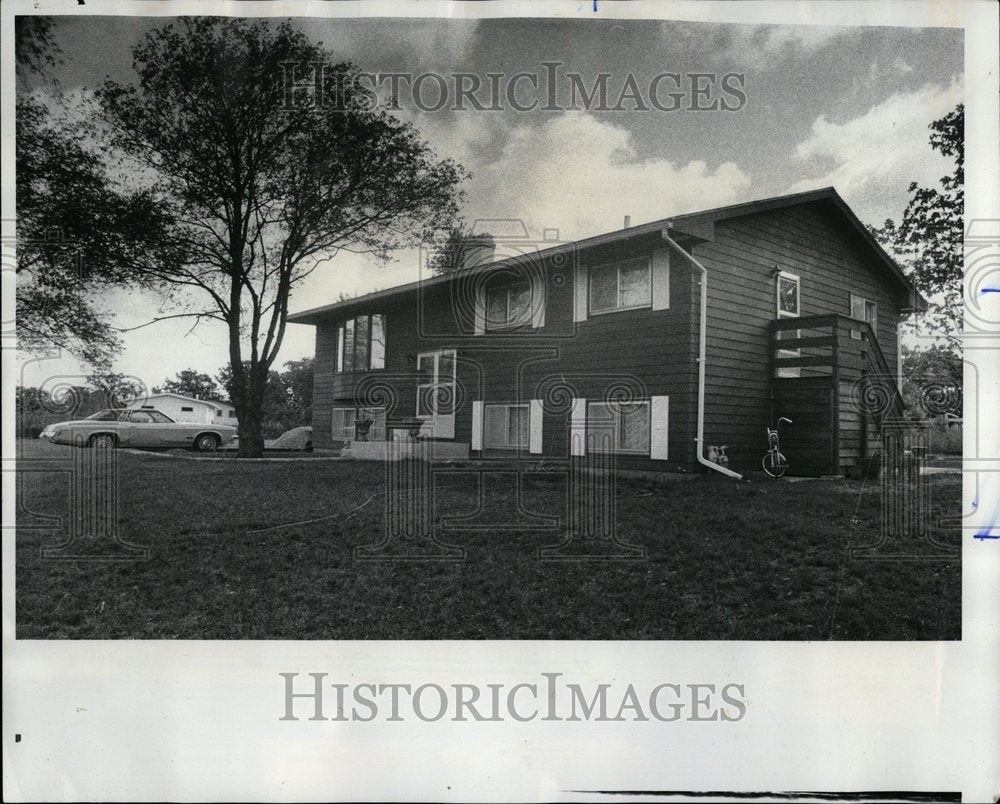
[843, 106]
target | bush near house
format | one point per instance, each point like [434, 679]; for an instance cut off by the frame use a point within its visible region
[944, 438]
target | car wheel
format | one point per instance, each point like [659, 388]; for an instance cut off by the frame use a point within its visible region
[102, 441]
[206, 443]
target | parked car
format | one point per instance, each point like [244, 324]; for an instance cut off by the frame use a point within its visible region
[114, 427]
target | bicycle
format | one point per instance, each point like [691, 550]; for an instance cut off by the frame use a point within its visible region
[774, 463]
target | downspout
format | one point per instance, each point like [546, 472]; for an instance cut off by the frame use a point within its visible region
[702, 329]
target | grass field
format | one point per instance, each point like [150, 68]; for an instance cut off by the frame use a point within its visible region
[724, 560]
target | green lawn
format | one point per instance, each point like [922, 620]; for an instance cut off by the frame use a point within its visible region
[756, 560]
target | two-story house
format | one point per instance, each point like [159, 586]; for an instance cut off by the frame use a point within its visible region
[654, 342]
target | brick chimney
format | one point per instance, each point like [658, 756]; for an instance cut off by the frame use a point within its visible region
[479, 250]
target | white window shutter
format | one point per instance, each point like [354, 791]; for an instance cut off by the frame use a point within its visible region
[578, 427]
[443, 425]
[480, 312]
[536, 411]
[661, 279]
[659, 415]
[538, 299]
[477, 425]
[580, 293]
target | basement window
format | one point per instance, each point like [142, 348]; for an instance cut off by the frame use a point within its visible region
[618, 427]
[345, 418]
[505, 426]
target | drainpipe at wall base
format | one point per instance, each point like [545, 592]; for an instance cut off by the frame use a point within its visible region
[702, 329]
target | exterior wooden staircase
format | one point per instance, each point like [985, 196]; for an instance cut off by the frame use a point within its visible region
[832, 380]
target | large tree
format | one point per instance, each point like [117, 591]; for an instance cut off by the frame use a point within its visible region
[80, 235]
[928, 239]
[932, 381]
[264, 179]
[189, 383]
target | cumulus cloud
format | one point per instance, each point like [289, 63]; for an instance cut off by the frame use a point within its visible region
[581, 175]
[881, 151]
[571, 172]
[757, 47]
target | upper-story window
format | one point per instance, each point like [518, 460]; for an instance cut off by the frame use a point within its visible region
[788, 295]
[623, 285]
[361, 343]
[508, 304]
[864, 309]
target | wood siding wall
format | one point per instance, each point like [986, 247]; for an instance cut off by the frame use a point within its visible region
[629, 354]
[643, 352]
[831, 262]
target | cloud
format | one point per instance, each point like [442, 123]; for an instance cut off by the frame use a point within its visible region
[571, 172]
[581, 175]
[881, 151]
[757, 47]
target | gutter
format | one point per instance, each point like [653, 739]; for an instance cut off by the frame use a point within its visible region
[702, 329]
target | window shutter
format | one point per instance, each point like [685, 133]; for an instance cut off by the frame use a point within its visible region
[661, 279]
[580, 293]
[578, 427]
[535, 423]
[480, 312]
[538, 299]
[659, 410]
[443, 425]
[477, 425]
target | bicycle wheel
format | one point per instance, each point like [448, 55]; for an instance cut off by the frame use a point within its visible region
[774, 464]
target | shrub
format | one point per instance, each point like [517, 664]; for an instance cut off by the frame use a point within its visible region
[944, 440]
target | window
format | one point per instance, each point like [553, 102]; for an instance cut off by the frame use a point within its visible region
[620, 286]
[361, 343]
[149, 417]
[618, 427]
[378, 342]
[864, 310]
[436, 383]
[103, 416]
[344, 419]
[232, 414]
[187, 410]
[788, 295]
[506, 426]
[508, 305]
[147, 407]
[787, 301]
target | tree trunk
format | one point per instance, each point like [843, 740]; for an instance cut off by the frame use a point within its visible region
[251, 430]
[251, 419]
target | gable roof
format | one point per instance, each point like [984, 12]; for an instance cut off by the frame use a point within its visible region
[694, 225]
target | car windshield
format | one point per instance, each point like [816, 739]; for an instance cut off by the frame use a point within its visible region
[104, 416]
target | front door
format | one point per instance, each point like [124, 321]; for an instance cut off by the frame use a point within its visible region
[436, 392]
